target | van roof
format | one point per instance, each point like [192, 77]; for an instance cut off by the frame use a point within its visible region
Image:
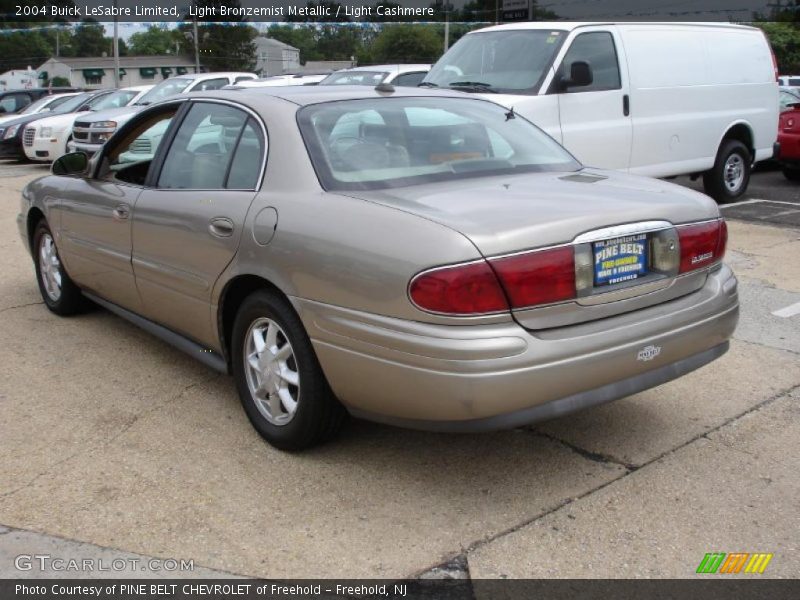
[571, 25]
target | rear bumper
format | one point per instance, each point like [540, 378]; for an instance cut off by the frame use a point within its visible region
[788, 150]
[499, 376]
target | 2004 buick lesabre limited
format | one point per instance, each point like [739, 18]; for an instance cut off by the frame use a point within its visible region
[413, 257]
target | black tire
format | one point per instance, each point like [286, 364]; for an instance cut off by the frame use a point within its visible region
[318, 415]
[70, 300]
[714, 179]
[792, 174]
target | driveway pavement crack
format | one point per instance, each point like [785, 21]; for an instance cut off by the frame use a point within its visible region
[588, 454]
[2, 310]
[490, 538]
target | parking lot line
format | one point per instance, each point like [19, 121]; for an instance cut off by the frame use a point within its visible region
[788, 311]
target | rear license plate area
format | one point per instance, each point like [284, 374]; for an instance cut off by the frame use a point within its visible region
[620, 260]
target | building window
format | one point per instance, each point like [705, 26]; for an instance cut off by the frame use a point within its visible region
[94, 80]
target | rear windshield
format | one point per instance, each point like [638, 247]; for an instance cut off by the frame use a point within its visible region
[381, 143]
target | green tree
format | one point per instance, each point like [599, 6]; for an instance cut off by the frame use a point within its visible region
[89, 39]
[303, 38]
[784, 37]
[156, 40]
[407, 44]
[225, 47]
[21, 49]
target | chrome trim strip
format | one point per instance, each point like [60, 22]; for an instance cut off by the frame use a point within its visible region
[609, 233]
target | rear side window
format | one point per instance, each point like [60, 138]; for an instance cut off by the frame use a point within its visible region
[246, 164]
[597, 49]
[210, 84]
[205, 152]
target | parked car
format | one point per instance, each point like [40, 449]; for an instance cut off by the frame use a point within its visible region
[647, 98]
[789, 135]
[43, 104]
[14, 101]
[414, 257]
[89, 133]
[789, 81]
[11, 132]
[308, 78]
[51, 134]
[402, 75]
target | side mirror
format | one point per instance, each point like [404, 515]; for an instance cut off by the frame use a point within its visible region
[580, 75]
[73, 163]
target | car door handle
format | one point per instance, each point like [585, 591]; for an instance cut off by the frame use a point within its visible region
[123, 211]
[626, 105]
[220, 227]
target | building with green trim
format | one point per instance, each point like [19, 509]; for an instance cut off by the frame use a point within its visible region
[98, 72]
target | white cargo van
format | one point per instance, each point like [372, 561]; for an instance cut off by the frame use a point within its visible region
[657, 99]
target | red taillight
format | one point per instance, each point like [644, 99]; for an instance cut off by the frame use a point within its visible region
[538, 277]
[702, 244]
[772, 54]
[467, 289]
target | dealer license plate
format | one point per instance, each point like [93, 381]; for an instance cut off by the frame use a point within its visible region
[621, 259]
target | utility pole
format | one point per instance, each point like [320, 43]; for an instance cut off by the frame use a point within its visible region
[446, 26]
[196, 47]
[116, 46]
[58, 42]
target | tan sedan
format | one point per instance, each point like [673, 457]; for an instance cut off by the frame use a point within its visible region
[414, 257]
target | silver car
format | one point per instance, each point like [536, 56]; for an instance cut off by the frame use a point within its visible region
[413, 257]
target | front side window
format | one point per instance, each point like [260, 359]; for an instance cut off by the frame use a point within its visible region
[394, 142]
[204, 145]
[597, 49]
[128, 157]
[511, 62]
[409, 79]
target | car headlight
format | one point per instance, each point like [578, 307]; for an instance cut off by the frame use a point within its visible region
[105, 124]
[11, 132]
[45, 132]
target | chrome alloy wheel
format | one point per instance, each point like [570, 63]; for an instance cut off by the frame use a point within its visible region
[734, 172]
[271, 371]
[49, 267]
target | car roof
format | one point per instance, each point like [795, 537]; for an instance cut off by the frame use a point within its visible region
[311, 94]
[569, 26]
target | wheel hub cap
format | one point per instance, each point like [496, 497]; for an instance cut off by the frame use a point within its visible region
[734, 172]
[271, 371]
[49, 267]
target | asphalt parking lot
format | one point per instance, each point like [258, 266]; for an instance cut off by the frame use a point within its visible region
[113, 444]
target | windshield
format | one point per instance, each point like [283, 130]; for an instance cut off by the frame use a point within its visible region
[787, 99]
[166, 88]
[71, 104]
[118, 99]
[395, 142]
[510, 62]
[42, 102]
[355, 78]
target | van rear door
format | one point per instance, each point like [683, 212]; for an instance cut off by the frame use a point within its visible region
[595, 122]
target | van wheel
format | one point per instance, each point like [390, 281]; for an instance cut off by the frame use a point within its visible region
[280, 382]
[58, 291]
[729, 177]
[791, 174]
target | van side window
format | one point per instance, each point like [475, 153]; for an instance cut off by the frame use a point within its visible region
[597, 49]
